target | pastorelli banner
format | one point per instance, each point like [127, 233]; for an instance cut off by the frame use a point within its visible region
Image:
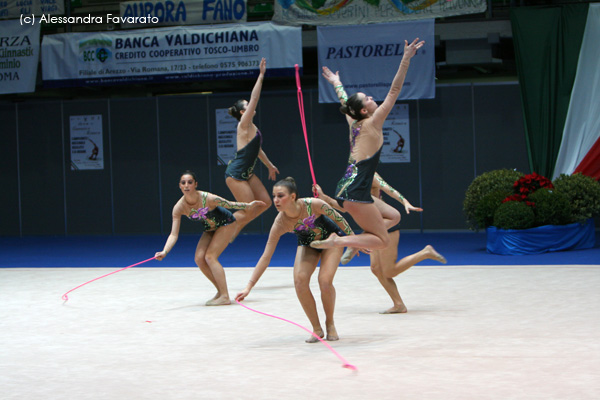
[183, 12]
[18, 8]
[345, 12]
[368, 56]
[175, 54]
[19, 56]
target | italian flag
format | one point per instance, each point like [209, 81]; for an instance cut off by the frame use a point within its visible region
[558, 61]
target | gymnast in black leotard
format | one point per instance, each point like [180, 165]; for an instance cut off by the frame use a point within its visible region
[219, 223]
[239, 175]
[310, 219]
[365, 119]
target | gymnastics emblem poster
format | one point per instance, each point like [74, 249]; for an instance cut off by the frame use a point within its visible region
[226, 136]
[396, 136]
[86, 142]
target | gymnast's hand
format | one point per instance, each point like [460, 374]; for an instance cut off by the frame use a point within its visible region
[160, 255]
[331, 77]
[273, 171]
[255, 203]
[242, 295]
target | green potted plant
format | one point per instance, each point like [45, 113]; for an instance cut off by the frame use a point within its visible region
[536, 215]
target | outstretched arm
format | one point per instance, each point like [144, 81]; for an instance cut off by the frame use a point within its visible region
[273, 171]
[216, 201]
[384, 109]
[393, 193]
[248, 115]
[336, 82]
[335, 216]
[263, 262]
[173, 236]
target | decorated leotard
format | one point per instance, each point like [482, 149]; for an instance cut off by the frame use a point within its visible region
[313, 228]
[213, 219]
[241, 167]
[356, 183]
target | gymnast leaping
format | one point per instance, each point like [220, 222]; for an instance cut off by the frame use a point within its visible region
[219, 226]
[239, 175]
[365, 119]
[310, 219]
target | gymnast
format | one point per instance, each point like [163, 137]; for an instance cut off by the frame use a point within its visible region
[383, 262]
[219, 225]
[365, 119]
[239, 175]
[310, 219]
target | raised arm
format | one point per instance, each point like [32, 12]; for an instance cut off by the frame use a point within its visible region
[335, 81]
[384, 109]
[173, 236]
[248, 115]
[393, 193]
[264, 260]
[273, 171]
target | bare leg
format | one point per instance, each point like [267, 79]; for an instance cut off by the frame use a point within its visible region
[368, 217]
[247, 191]
[330, 259]
[219, 242]
[201, 262]
[428, 252]
[388, 256]
[304, 266]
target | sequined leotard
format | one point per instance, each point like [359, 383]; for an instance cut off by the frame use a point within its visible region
[213, 219]
[314, 228]
[241, 167]
[356, 183]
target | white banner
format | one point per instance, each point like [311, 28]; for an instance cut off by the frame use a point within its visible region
[86, 142]
[183, 12]
[19, 55]
[18, 8]
[396, 136]
[344, 12]
[368, 56]
[175, 54]
[226, 136]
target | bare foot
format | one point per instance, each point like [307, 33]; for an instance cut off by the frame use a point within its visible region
[434, 254]
[332, 334]
[348, 255]
[313, 339]
[216, 296]
[395, 310]
[325, 244]
[219, 301]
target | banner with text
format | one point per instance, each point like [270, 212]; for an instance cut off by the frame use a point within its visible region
[19, 55]
[176, 54]
[368, 56]
[17, 8]
[226, 136]
[183, 12]
[344, 12]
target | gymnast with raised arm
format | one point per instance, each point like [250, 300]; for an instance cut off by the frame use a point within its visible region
[310, 219]
[219, 225]
[365, 119]
[239, 175]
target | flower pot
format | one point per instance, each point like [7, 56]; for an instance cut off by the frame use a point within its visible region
[541, 239]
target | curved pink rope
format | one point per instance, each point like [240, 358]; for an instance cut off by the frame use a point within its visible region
[65, 297]
[303, 120]
[346, 364]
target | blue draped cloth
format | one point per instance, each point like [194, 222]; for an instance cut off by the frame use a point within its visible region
[541, 239]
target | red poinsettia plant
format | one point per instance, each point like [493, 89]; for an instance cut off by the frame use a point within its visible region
[526, 185]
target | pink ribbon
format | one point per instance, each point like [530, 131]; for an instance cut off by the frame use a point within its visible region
[65, 297]
[345, 364]
[303, 120]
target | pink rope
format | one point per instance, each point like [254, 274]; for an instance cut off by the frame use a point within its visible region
[65, 297]
[303, 120]
[345, 363]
